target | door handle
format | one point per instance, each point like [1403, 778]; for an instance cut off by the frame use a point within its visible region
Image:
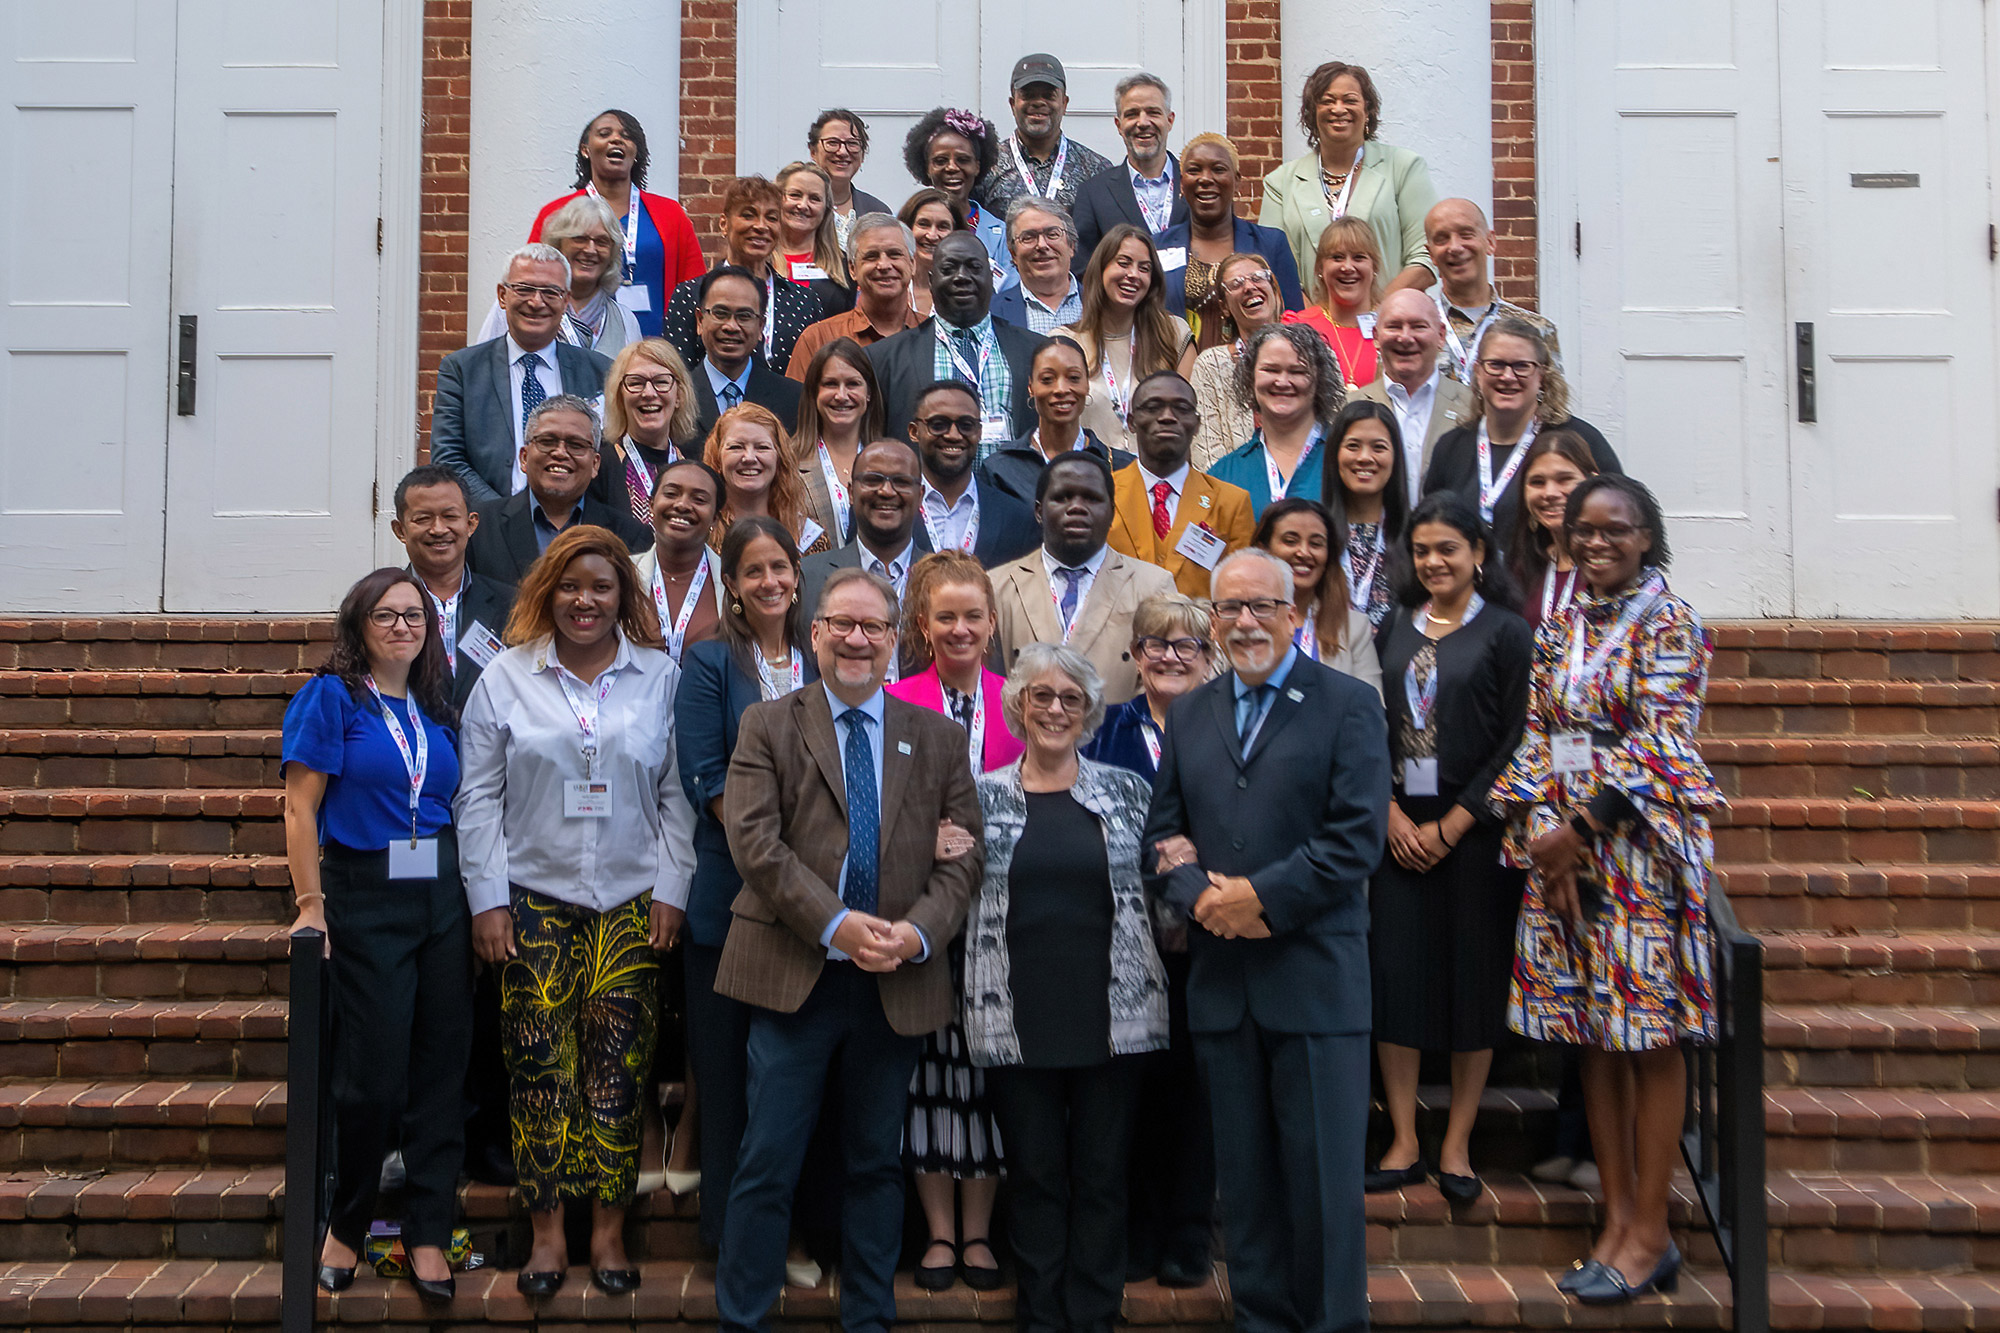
[184, 370]
[1808, 384]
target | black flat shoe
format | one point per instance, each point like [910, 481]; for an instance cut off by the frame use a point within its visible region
[1460, 1189]
[334, 1279]
[538, 1284]
[934, 1277]
[1184, 1270]
[1381, 1181]
[615, 1281]
[979, 1279]
[438, 1293]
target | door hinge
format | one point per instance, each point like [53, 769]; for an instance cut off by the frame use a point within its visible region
[378, 236]
[375, 499]
[1578, 242]
[1992, 241]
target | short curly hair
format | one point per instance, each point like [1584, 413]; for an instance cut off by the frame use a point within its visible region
[1319, 81]
[1329, 387]
[966, 124]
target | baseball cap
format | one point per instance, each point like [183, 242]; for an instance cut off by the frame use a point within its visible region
[1038, 68]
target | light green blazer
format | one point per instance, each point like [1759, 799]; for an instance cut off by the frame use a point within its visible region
[1393, 193]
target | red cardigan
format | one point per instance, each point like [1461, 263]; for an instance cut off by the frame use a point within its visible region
[677, 238]
[925, 690]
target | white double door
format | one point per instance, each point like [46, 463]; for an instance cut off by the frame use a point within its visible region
[891, 61]
[168, 160]
[1785, 290]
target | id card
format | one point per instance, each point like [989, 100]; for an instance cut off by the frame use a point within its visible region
[996, 430]
[1200, 544]
[1173, 257]
[636, 297]
[586, 798]
[807, 273]
[1569, 752]
[1420, 777]
[418, 862]
[480, 644]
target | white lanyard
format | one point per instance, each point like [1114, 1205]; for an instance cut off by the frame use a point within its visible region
[417, 761]
[1055, 172]
[770, 310]
[1118, 401]
[638, 484]
[977, 377]
[1306, 637]
[1082, 593]
[834, 489]
[1157, 204]
[1491, 488]
[1277, 480]
[677, 636]
[975, 735]
[769, 686]
[1359, 583]
[1151, 736]
[586, 706]
[1550, 606]
[631, 228]
[1579, 674]
[447, 614]
[1339, 204]
[1463, 352]
[1423, 699]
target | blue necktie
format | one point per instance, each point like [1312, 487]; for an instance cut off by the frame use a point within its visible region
[968, 347]
[1073, 580]
[1247, 709]
[731, 395]
[532, 392]
[864, 816]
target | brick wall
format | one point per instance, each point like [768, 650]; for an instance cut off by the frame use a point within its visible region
[1514, 220]
[1257, 102]
[447, 152]
[708, 112]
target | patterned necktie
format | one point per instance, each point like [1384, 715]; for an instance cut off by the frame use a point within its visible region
[1247, 709]
[532, 392]
[1163, 522]
[864, 816]
[1072, 583]
[968, 348]
[731, 395]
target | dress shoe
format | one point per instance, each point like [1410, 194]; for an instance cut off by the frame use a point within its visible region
[1382, 1181]
[1583, 1270]
[1608, 1286]
[334, 1279]
[804, 1273]
[1185, 1270]
[1460, 1189]
[538, 1284]
[976, 1277]
[615, 1281]
[938, 1277]
[439, 1292]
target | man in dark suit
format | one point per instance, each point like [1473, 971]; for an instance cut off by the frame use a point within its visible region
[1144, 189]
[961, 339]
[1268, 815]
[887, 537]
[833, 804]
[485, 392]
[730, 322]
[560, 459]
[957, 512]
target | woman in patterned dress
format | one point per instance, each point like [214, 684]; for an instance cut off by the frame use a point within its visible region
[1608, 802]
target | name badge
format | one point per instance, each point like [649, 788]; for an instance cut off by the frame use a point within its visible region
[1173, 257]
[1365, 321]
[807, 272]
[902, 747]
[1201, 545]
[1420, 777]
[586, 798]
[1569, 752]
[996, 430]
[480, 644]
[636, 297]
[418, 862]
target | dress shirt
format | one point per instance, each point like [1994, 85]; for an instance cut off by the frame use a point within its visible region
[545, 528]
[716, 381]
[873, 709]
[1059, 585]
[1276, 681]
[1155, 194]
[996, 377]
[896, 570]
[950, 521]
[519, 743]
[847, 324]
[1413, 419]
[1046, 319]
[548, 375]
[447, 611]
[1176, 479]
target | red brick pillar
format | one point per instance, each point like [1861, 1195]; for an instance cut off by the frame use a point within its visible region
[447, 152]
[1514, 216]
[1256, 99]
[708, 112]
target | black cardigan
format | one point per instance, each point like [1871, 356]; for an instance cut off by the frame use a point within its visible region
[1482, 699]
[1455, 467]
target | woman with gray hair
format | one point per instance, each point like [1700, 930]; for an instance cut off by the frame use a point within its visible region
[1288, 372]
[1063, 988]
[587, 233]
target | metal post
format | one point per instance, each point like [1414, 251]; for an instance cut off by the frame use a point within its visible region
[304, 1087]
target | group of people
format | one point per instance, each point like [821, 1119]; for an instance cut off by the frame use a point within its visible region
[1025, 686]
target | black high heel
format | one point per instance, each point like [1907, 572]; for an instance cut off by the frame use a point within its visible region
[440, 1292]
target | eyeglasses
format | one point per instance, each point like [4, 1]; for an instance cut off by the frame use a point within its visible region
[722, 314]
[1615, 533]
[1261, 276]
[968, 427]
[883, 481]
[529, 291]
[1039, 235]
[875, 631]
[1518, 369]
[1263, 608]
[562, 444]
[1155, 649]
[840, 145]
[383, 617]
[663, 385]
[1070, 701]
[599, 241]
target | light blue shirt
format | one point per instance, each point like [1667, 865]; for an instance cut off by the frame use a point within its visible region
[545, 527]
[1155, 194]
[1276, 681]
[716, 381]
[872, 709]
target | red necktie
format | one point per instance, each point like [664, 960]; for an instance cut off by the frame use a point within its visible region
[1163, 522]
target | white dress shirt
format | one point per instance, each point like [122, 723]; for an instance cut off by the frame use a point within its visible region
[950, 522]
[519, 742]
[1177, 480]
[548, 375]
[897, 570]
[1059, 585]
[1413, 419]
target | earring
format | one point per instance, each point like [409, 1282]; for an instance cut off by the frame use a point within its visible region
[1478, 576]
[795, 597]
[735, 608]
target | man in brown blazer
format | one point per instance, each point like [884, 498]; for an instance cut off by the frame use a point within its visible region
[1409, 339]
[1162, 486]
[1075, 589]
[833, 805]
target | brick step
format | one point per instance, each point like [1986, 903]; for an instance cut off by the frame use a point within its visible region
[165, 644]
[1896, 1131]
[1888, 895]
[1875, 1047]
[242, 758]
[144, 890]
[169, 1122]
[1851, 650]
[1954, 832]
[136, 821]
[1798, 708]
[124, 1038]
[149, 960]
[1819, 967]
[167, 700]
[1843, 767]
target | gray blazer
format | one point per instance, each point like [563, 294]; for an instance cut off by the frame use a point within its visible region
[472, 421]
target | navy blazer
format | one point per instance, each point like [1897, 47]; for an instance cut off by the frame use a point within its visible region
[487, 602]
[472, 419]
[1251, 239]
[1304, 816]
[1107, 199]
[767, 389]
[1121, 740]
[504, 545]
[708, 707]
[1007, 528]
[1017, 468]
[905, 362]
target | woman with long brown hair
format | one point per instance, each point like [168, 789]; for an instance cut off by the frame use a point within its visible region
[1326, 625]
[1537, 553]
[840, 409]
[752, 453]
[1125, 332]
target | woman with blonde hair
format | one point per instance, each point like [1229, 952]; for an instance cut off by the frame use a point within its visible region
[809, 248]
[1347, 284]
[1125, 331]
[760, 475]
[649, 421]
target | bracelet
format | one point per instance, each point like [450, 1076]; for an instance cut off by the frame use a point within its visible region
[301, 899]
[1440, 828]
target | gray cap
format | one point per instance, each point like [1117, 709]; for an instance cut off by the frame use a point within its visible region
[1038, 68]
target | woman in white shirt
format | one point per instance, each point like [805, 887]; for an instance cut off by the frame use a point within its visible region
[577, 848]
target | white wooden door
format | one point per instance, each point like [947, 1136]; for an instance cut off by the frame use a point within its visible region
[1099, 43]
[1887, 180]
[86, 194]
[277, 153]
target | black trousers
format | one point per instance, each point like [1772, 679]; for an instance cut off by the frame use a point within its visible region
[402, 1014]
[1172, 1177]
[1069, 1135]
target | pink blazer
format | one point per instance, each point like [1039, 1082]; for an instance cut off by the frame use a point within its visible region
[1002, 746]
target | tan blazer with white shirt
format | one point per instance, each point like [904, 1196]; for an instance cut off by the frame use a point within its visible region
[1453, 407]
[1103, 629]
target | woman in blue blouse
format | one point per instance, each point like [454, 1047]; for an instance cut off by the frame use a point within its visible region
[1289, 374]
[371, 763]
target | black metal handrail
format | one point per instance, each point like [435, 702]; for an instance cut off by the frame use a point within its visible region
[306, 1127]
[1723, 1139]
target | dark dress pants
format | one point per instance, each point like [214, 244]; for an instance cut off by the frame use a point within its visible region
[1171, 1181]
[841, 1023]
[402, 1013]
[1069, 1136]
[1291, 1113]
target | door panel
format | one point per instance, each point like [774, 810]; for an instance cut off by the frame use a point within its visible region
[1099, 44]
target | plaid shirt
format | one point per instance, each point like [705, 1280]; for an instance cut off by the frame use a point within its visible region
[980, 350]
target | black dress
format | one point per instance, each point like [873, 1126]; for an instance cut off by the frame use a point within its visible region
[1455, 467]
[1441, 943]
[1059, 924]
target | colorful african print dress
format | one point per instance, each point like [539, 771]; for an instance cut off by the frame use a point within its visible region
[1628, 671]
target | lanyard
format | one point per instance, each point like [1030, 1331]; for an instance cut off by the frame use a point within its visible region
[1277, 480]
[631, 228]
[975, 732]
[418, 760]
[770, 309]
[1082, 593]
[1578, 674]
[1306, 637]
[1151, 735]
[769, 686]
[586, 706]
[447, 614]
[638, 484]
[1339, 204]
[1462, 352]
[1156, 201]
[1550, 606]
[977, 378]
[933, 525]
[1055, 172]
[1358, 583]
[1491, 488]
[1423, 699]
[841, 509]
[677, 636]
[1118, 401]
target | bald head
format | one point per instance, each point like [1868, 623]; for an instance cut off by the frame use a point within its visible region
[1409, 334]
[1459, 241]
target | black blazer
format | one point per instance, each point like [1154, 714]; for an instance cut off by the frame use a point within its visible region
[813, 571]
[1304, 816]
[1482, 700]
[1017, 469]
[767, 389]
[1007, 528]
[796, 306]
[504, 545]
[1455, 467]
[905, 362]
[486, 601]
[1107, 199]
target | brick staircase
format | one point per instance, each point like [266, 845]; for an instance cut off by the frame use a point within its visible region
[143, 978]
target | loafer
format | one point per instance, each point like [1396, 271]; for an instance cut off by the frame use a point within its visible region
[1460, 1189]
[435, 1293]
[1185, 1270]
[1380, 1181]
[1583, 1270]
[333, 1279]
[1609, 1287]
[615, 1281]
[538, 1284]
